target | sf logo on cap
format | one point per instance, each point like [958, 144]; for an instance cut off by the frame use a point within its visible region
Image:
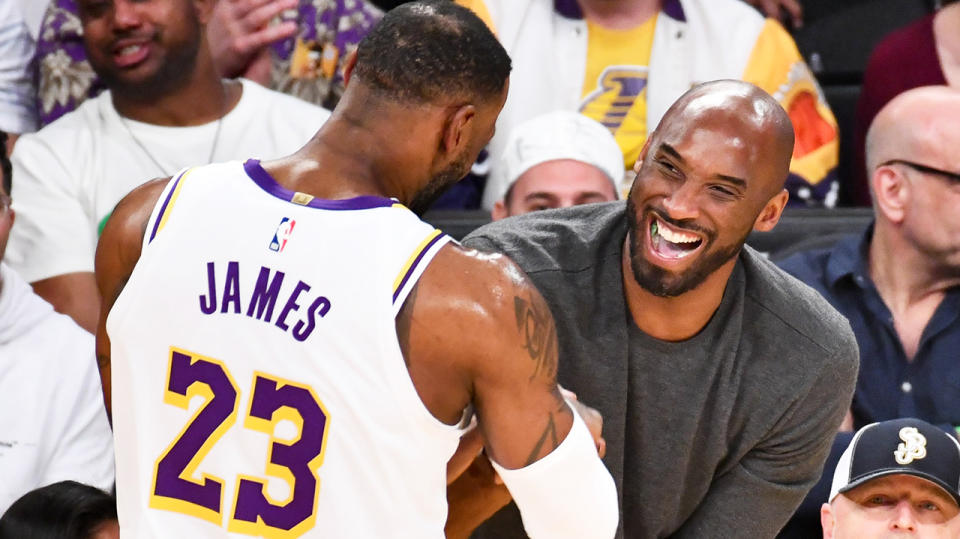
[914, 446]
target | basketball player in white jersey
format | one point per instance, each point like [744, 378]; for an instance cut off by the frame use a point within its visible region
[293, 350]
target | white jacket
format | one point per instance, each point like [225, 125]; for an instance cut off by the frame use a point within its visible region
[694, 41]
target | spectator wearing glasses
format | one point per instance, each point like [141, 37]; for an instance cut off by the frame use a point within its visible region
[899, 283]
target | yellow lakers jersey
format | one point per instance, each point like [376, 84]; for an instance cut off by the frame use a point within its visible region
[258, 386]
[615, 83]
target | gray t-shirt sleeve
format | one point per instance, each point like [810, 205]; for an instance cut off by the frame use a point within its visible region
[481, 243]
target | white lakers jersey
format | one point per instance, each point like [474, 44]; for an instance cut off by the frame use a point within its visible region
[258, 386]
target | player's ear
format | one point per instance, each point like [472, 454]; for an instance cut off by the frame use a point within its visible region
[643, 154]
[348, 67]
[770, 215]
[459, 127]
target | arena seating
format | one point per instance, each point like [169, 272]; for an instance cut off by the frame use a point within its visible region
[836, 41]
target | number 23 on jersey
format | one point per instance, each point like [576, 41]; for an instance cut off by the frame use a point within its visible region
[272, 400]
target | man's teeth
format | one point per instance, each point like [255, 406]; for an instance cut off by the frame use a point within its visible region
[674, 237]
[130, 49]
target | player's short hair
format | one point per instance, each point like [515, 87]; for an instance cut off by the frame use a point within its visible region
[429, 51]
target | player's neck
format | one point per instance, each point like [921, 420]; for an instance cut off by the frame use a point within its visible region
[346, 159]
[675, 318]
[205, 97]
[619, 14]
[361, 149]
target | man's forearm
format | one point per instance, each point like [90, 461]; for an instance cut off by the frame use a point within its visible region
[473, 498]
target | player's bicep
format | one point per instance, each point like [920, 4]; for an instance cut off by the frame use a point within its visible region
[522, 414]
[484, 324]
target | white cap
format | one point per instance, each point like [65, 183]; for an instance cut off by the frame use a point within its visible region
[561, 135]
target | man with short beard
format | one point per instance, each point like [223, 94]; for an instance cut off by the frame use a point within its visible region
[166, 107]
[720, 378]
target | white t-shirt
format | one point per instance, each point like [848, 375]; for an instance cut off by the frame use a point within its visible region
[19, 24]
[68, 177]
[53, 424]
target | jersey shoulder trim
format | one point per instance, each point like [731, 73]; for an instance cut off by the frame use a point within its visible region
[172, 192]
[415, 264]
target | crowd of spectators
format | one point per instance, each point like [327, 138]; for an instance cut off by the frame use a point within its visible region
[100, 96]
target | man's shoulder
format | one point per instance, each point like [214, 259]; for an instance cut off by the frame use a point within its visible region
[31, 323]
[807, 319]
[808, 266]
[726, 8]
[75, 127]
[732, 14]
[258, 98]
[821, 267]
[569, 239]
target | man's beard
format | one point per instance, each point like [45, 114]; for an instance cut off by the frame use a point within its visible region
[664, 283]
[173, 74]
[437, 186]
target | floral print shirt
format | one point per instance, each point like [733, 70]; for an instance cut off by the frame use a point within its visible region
[308, 65]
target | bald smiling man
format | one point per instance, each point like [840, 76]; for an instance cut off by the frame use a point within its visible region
[721, 380]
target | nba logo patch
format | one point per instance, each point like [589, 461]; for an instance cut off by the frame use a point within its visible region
[280, 237]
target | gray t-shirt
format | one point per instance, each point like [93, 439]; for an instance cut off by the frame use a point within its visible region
[720, 435]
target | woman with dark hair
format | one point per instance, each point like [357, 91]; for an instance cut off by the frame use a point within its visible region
[64, 510]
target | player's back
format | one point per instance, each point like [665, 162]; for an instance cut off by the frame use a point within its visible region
[258, 385]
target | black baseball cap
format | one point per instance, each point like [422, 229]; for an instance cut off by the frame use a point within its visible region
[900, 446]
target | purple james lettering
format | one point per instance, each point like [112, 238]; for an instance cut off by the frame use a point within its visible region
[267, 291]
[292, 304]
[208, 303]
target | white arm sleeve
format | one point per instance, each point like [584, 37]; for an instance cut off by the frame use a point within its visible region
[568, 493]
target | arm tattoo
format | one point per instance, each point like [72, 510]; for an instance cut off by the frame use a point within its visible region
[536, 327]
[549, 435]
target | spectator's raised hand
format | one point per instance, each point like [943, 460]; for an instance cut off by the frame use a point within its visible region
[240, 30]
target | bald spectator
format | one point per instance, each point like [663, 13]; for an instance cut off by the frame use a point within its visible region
[899, 282]
[558, 160]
